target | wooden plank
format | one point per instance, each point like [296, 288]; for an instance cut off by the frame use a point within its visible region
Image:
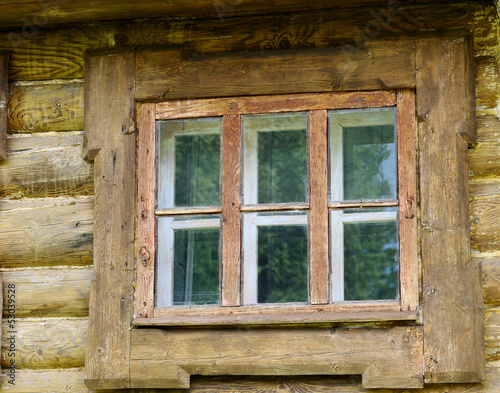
[361, 204]
[452, 297]
[98, 68]
[46, 233]
[484, 159]
[111, 140]
[275, 207]
[59, 54]
[38, 292]
[231, 217]
[45, 107]
[407, 195]
[319, 265]
[273, 104]
[485, 225]
[146, 221]
[45, 166]
[285, 352]
[25, 12]
[176, 211]
[46, 343]
[4, 97]
[169, 74]
[271, 312]
[278, 319]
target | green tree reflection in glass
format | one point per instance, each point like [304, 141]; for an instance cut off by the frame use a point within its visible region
[369, 162]
[282, 172]
[196, 266]
[282, 264]
[197, 170]
[370, 261]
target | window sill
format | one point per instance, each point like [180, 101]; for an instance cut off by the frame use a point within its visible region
[279, 314]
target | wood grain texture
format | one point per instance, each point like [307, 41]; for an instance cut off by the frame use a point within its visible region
[71, 380]
[487, 82]
[146, 221]
[407, 196]
[59, 54]
[4, 96]
[52, 55]
[170, 74]
[273, 104]
[120, 105]
[490, 269]
[111, 140]
[319, 265]
[46, 343]
[485, 225]
[285, 352]
[452, 296]
[45, 166]
[46, 233]
[488, 127]
[484, 159]
[22, 12]
[231, 217]
[38, 292]
[45, 380]
[45, 107]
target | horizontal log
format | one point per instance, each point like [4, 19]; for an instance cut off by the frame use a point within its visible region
[45, 166]
[72, 380]
[379, 66]
[45, 343]
[45, 107]
[491, 281]
[46, 233]
[484, 187]
[20, 12]
[49, 292]
[487, 82]
[492, 334]
[483, 159]
[488, 127]
[485, 225]
[36, 381]
[60, 54]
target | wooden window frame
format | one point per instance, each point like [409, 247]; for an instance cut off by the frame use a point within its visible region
[446, 343]
[235, 292]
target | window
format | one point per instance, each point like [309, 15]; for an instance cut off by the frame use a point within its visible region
[285, 209]
[133, 345]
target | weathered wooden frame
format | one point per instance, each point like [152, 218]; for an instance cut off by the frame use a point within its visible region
[440, 69]
[236, 290]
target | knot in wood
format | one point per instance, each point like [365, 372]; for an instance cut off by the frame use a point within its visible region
[145, 255]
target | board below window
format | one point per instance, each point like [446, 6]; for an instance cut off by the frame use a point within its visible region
[283, 206]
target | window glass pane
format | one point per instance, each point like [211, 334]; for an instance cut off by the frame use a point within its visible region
[282, 264]
[188, 261]
[369, 162]
[196, 266]
[189, 163]
[275, 155]
[363, 155]
[370, 260]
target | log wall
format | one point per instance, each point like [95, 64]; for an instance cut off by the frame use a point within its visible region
[46, 188]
